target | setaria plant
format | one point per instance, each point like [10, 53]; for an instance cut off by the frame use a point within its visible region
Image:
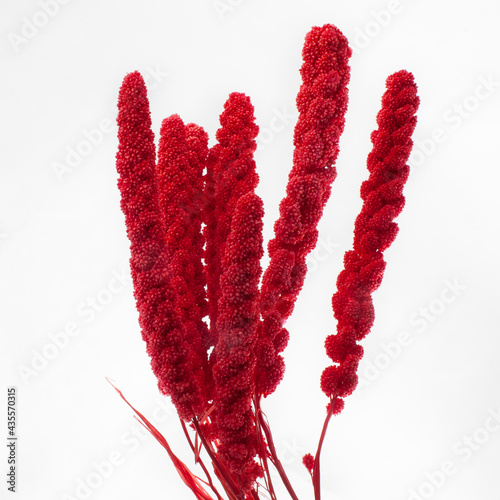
[213, 322]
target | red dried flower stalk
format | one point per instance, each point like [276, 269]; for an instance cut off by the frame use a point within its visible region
[230, 174]
[180, 184]
[197, 145]
[172, 358]
[182, 274]
[374, 231]
[322, 103]
[238, 316]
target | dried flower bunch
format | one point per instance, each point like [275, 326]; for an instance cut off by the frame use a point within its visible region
[215, 337]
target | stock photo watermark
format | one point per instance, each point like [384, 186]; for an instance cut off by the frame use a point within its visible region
[86, 311]
[31, 25]
[380, 20]
[279, 122]
[12, 439]
[324, 249]
[420, 320]
[453, 118]
[290, 451]
[103, 468]
[461, 452]
[224, 7]
[89, 139]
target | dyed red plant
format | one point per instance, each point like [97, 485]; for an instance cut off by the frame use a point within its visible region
[322, 103]
[195, 227]
[173, 359]
[374, 231]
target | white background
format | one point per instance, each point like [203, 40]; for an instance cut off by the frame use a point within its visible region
[63, 241]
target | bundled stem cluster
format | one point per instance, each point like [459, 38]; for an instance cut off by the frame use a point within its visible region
[194, 221]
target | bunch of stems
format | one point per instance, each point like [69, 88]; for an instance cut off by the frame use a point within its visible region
[213, 323]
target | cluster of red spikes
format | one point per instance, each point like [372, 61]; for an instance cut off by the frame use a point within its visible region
[215, 337]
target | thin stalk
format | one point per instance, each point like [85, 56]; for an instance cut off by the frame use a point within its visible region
[272, 449]
[262, 452]
[223, 475]
[199, 460]
[316, 469]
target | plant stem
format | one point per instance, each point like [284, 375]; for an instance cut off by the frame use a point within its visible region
[199, 460]
[316, 470]
[223, 475]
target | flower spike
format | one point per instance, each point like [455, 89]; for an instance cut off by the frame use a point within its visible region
[172, 358]
[374, 231]
[179, 173]
[322, 103]
[234, 369]
[230, 175]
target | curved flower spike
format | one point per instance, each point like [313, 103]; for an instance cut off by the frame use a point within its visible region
[374, 232]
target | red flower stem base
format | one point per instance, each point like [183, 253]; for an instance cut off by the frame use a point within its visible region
[198, 460]
[263, 455]
[316, 470]
[227, 482]
[272, 449]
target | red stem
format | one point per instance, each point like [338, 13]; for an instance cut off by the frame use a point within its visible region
[199, 460]
[272, 449]
[263, 452]
[223, 475]
[316, 469]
